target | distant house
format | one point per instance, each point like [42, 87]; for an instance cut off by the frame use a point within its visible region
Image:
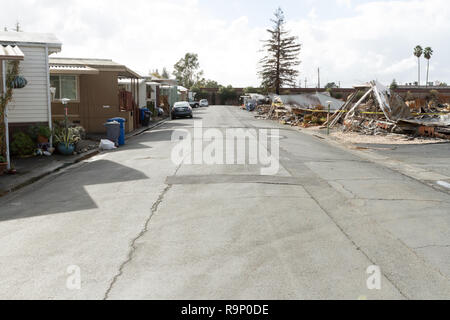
[126, 84]
[183, 93]
[31, 105]
[153, 92]
[162, 92]
[92, 85]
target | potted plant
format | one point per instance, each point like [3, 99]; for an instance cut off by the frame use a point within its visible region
[43, 134]
[66, 140]
[3, 165]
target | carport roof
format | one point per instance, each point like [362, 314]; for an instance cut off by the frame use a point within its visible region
[63, 69]
[8, 52]
[99, 64]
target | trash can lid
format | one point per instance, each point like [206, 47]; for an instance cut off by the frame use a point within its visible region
[112, 123]
[120, 120]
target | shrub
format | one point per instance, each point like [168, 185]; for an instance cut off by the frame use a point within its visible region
[43, 131]
[79, 132]
[22, 145]
[2, 159]
[338, 95]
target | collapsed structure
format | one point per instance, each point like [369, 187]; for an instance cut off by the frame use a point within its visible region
[300, 110]
[374, 109]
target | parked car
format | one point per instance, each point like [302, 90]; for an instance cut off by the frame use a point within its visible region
[204, 103]
[182, 109]
[194, 104]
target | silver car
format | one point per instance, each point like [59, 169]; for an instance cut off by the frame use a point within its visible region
[204, 103]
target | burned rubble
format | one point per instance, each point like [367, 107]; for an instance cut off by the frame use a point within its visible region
[372, 109]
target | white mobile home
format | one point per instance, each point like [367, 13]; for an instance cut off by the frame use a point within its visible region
[138, 87]
[32, 103]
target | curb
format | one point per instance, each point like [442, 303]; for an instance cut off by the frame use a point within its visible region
[63, 165]
[142, 130]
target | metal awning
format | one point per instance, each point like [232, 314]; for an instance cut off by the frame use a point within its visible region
[68, 69]
[11, 52]
[128, 73]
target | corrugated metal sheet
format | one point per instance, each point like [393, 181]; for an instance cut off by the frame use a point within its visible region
[100, 64]
[8, 52]
[63, 69]
[311, 100]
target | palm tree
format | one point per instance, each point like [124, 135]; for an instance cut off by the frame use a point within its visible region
[418, 51]
[427, 53]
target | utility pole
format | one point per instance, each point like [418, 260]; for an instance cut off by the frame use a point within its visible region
[318, 78]
[18, 27]
[306, 83]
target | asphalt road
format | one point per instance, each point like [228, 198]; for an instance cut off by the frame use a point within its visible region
[135, 225]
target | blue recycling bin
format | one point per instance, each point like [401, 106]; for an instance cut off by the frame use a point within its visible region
[142, 113]
[122, 129]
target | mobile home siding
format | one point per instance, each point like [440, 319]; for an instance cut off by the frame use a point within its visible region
[30, 104]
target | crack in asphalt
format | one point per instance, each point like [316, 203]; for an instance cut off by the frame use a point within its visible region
[133, 246]
[432, 246]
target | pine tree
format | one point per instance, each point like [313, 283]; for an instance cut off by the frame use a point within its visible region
[278, 66]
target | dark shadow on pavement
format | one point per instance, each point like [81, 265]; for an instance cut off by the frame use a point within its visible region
[66, 193]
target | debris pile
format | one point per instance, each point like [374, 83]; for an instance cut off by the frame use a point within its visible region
[375, 110]
[299, 110]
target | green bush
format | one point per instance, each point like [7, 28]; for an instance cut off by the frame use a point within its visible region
[2, 159]
[44, 131]
[338, 95]
[22, 145]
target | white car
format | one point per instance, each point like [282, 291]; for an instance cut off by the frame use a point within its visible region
[204, 103]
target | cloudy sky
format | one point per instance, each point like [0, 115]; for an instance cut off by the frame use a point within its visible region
[351, 41]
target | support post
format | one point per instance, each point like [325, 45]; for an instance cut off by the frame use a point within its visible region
[328, 119]
[49, 100]
[8, 157]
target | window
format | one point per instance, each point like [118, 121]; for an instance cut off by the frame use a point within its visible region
[66, 87]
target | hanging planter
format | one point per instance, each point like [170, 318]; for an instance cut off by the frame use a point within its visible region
[19, 82]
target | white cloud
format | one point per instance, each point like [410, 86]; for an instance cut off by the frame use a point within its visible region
[346, 3]
[375, 41]
[144, 34]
